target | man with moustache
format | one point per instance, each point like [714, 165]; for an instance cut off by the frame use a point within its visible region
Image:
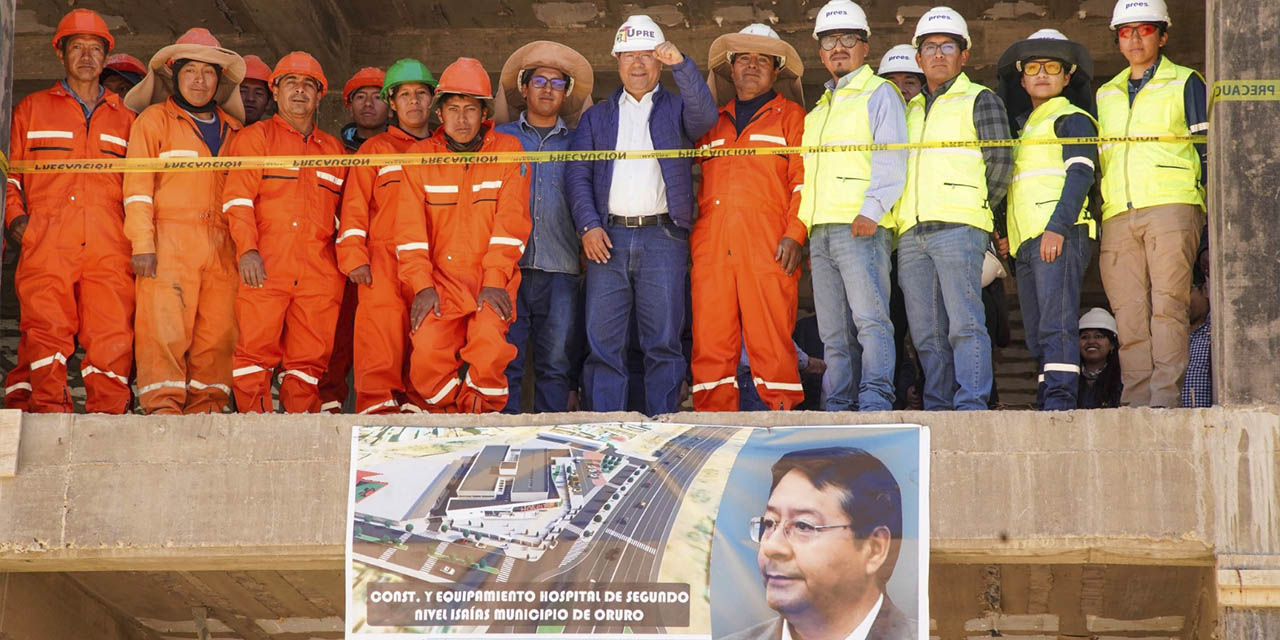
[634, 218]
[367, 249]
[283, 224]
[748, 241]
[73, 280]
[828, 542]
[847, 203]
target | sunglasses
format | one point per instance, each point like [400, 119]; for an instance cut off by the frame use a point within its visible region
[557, 84]
[932, 49]
[1143, 30]
[1051, 67]
[846, 40]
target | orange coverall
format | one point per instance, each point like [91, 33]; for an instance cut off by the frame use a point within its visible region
[289, 216]
[460, 228]
[367, 237]
[186, 323]
[747, 205]
[74, 279]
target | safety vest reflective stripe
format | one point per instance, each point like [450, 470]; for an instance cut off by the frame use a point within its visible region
[945, 185]
[1039, 175]
[835, 184]
[1135, 176]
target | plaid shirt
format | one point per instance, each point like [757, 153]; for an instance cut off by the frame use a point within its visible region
[1197, 388]
[992, 123]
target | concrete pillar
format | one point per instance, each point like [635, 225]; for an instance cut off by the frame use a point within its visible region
[1244, 196]
[8, 12]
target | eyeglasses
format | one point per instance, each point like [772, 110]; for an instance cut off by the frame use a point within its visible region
[557, 84]
[846, 40]
[1050, 67]
[1143, 30]
[932, 49]
[797, 531]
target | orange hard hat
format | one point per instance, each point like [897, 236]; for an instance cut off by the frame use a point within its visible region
[200, 36]
[82, 22]
[300, 63]
[366, 77]
[125, 62]
[467, 77]
[256, 69]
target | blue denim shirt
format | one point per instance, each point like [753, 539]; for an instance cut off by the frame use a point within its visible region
[553, 244]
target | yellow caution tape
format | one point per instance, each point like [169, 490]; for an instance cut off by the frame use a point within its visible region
[1244, 91]
[144, 165]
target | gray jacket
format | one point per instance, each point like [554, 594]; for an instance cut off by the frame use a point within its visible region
[890, 624]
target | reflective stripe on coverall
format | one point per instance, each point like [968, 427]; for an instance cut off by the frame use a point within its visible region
[186, 324]
[290, 218]
[458, 229]
[74, 280]
[748, 205]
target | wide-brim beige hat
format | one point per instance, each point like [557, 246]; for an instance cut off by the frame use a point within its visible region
[157, 86]
[543, 53]
[720, 78]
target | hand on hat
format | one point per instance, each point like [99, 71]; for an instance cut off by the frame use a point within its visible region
[668, 54]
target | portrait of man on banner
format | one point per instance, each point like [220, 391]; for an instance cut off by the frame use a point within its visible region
[827, 540]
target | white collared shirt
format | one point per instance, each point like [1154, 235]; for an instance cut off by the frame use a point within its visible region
[859, 632]
[637, 188]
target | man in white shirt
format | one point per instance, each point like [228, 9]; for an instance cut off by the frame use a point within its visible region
[829, 539]
[634, 218]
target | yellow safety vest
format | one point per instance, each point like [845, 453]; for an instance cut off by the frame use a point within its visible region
[1146, 174]
[835, 184]
[1039, 175]
[945, 184]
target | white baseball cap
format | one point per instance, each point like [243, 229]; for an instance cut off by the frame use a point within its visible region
[638, 33]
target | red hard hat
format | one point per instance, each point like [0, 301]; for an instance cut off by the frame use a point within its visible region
[126, 62]
[82, 22]
[466, 76]
[199, 35]
[256, 69]
[300, 63]
[366, 77]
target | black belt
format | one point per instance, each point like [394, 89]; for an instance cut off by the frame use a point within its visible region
[635, 222]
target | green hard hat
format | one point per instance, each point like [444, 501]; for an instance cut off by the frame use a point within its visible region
[406, 70]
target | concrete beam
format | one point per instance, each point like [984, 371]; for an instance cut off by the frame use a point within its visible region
[10, 433]
[41, 606]
[1139, 487]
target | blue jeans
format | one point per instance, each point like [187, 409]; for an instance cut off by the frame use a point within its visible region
[648, 271]
[1049, 294]
[940, 270]
[851, 297]
[546, 319]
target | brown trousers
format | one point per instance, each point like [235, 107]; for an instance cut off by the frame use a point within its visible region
[1146, 262]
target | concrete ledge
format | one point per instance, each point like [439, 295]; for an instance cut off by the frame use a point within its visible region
[1139, 487]
[10, 437]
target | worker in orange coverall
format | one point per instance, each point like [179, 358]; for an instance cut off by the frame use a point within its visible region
[362, 96]
[182, 253]
[460, 232]
[283, 222]
[367, 248]
[747, 242]
[73, 279]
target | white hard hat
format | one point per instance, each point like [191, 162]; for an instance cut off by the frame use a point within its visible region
[1047, 34]
[1097, 318]
[841, 15]
[942, 20]
[900, 59]
[758, 29]
[1140, 11]
[638, 33]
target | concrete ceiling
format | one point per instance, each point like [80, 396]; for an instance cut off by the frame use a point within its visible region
[347, 35]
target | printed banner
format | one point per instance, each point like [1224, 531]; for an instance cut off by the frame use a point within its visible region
[640, 530]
